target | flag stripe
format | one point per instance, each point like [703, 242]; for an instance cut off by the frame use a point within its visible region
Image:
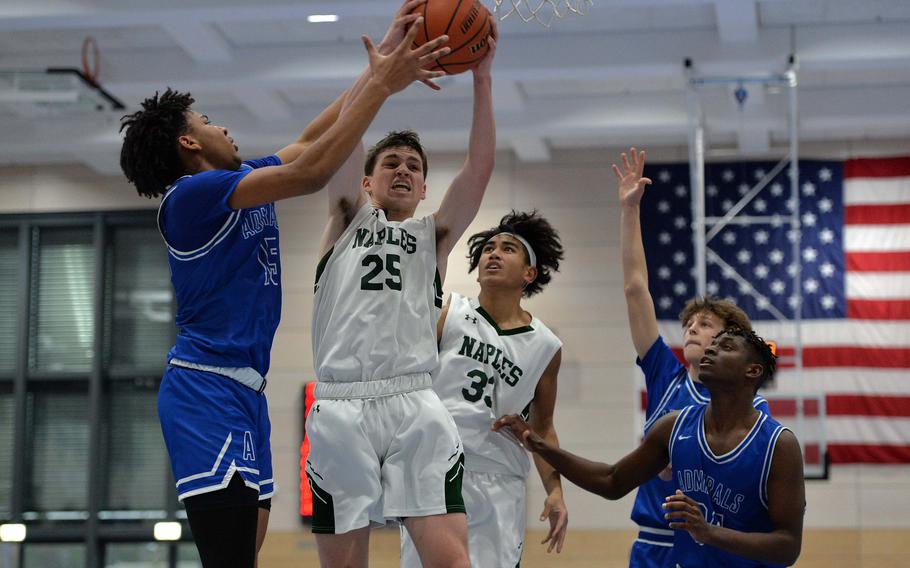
[878, 309]
[867, 429]
[869, 453]
[876, 238]
[876, 191]
[862, 380]
[844, 356]
[852, 356]
[786, 407]
[866, 405]
[877, 167]
[878, 285]
[878, 261]
[887, 214]
[817, 333]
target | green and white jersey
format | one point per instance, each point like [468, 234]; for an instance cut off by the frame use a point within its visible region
[378, 296]
[485, 372]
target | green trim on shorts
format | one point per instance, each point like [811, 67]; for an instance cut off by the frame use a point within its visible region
[454, 499]
[323, 510]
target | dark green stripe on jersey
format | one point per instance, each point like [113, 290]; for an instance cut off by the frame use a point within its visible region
[320, 268]
[437, 290]
[491, 321]
[526, 413]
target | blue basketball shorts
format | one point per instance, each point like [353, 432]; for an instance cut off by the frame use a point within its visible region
[650, 555]
[214, 427]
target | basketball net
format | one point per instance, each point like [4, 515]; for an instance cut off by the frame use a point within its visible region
[543, 11]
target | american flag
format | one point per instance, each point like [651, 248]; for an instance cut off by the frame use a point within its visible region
[855, 290]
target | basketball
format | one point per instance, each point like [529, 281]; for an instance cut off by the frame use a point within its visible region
[468, 24]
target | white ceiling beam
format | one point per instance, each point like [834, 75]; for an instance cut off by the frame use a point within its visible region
[65, 16]
[737, 21]
[530, 148]
[100, 159]
[262, 103]
[202, 41]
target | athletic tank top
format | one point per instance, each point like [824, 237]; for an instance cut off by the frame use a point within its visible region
[226, 272]
[485, 372]
[731, 489]
[378, 296]
[670, 388]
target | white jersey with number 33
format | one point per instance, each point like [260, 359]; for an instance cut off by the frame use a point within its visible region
[378, 296]
[485, 372]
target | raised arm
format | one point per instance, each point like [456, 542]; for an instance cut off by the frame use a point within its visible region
[609, 481]
[786, 505]
[403, 18]
[640, 305]
[346, 195]
[462, 199]
[315, 165]
[541, 421]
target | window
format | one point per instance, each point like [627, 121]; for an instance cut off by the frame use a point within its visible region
[9, 301]
[7, 429]
[68, 291]
[58, 447]
[53, 556]
[137, 472]
[62, 324]
[140, 309]
[133, 554]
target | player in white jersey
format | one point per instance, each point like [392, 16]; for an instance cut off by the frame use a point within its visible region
[382, 445]
[495, 358]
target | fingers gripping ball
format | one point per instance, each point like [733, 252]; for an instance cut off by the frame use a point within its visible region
[468, 24]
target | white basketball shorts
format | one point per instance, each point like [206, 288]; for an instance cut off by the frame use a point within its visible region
[383, 458]
[496, 521]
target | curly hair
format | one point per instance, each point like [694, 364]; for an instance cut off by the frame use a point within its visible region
[761, 351]
[149, 157]
[533, 228]
[729, 313]
[395, 139]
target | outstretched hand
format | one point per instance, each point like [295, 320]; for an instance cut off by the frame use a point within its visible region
[404, 65]
[554, 509]
[630, 180]
[404, 18]
[684, 514]
[519, 429]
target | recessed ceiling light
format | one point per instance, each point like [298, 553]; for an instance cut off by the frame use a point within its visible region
[321, 18]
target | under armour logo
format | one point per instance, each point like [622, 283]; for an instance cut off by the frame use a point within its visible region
[316, 408]
[471, 319]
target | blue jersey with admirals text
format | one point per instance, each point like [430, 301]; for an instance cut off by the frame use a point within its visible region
[669, 388]
[731, 489]
[225, 271]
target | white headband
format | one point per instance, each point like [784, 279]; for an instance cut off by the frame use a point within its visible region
[532, 258]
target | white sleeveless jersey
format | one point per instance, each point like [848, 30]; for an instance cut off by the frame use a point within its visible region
[484, 373]
[378, 296]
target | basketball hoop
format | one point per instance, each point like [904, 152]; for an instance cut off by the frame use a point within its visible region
[91, 59]
[542, 11]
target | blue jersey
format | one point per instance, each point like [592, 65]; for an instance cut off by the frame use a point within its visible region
[669, 388]
[225, 271]
[731, 489]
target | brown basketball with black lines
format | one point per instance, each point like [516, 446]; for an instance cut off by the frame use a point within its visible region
[468, 24]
